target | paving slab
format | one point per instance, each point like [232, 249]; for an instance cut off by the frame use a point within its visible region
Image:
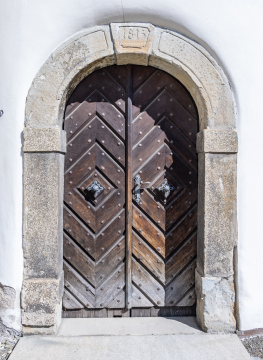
[136, 347]
[129, 326]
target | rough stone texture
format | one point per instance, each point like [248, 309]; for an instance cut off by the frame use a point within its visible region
[201, 75]
[44, 140]
[64, 69]
[43, 211]
[40, 296]
[41, 304]
[143, 44]
[215, 303]
[132, 42]
[7, 297]
[9, 315]
[217, 217]
[217, 141]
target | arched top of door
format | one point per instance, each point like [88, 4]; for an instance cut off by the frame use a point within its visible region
[126, 43]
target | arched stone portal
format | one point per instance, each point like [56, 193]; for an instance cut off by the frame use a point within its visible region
[44, 149]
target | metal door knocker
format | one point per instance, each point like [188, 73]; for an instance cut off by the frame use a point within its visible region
[95, 188]
[166, 188]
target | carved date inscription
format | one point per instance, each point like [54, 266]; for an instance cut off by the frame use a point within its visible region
[133, 36]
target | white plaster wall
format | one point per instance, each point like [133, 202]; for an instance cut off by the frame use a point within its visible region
[232, 32]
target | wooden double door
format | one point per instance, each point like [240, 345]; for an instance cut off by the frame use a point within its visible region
[130, 201]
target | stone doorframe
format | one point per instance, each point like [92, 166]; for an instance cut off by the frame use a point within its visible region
[45, 145]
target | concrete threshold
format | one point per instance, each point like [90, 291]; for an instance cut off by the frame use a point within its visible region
[130, 339]
[129, 326]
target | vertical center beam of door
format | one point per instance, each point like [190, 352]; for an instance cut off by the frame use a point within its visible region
[129, 183]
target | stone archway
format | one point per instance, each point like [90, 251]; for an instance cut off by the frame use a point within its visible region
[44, 149]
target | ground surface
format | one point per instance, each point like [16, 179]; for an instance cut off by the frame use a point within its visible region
[8, 340]
[254, 346]
[142, 347]
[131, 339]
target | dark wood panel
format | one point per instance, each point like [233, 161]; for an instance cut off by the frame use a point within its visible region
[94, 222]
[122, 121]
[164, 224]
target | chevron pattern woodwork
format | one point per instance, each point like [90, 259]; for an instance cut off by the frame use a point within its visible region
[164, 128]
[164, 230]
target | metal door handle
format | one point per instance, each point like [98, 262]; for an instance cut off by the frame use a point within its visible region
[166, 188]
[137, 189]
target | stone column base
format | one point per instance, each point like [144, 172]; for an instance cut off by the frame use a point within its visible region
[215, 303]
[41, 304]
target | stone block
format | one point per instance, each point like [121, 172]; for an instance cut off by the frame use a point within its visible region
[10, 317]
[7, 297]
[66, 64]
[44, 140]
[41, 305]
[217, 141]
[43, 214]
[191, 64]
[215, 303]
[217, 217]
[132, 42]
[41, 295]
